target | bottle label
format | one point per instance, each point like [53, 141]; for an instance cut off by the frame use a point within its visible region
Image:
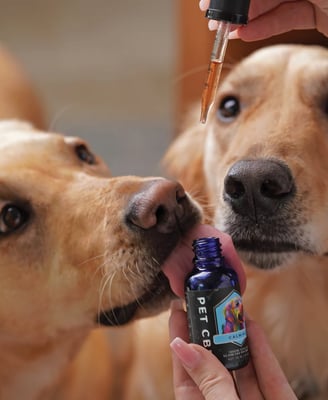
[216, 321]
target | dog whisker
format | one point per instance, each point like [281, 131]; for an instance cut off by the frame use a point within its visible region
[196, 70]
[106, 281]
[88, 260]
[58, 116]
[155, 261]
[101, 268]
[191, 72]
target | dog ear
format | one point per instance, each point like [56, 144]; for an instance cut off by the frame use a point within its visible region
[14, 125]
[184, 162]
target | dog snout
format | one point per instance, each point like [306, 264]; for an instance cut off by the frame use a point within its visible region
[257, 188]
[160, 205]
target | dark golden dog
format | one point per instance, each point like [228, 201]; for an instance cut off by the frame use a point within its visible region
[259, 167]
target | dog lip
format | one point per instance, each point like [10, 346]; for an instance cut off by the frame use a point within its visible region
[160, 286]
[118, 315]
[122, 315]
[266, 246]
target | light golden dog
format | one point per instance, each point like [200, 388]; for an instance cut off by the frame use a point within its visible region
[79, 249]
[260, 167]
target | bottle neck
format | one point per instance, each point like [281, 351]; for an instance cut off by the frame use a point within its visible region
[208, 254]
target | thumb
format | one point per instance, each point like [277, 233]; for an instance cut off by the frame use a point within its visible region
[211, 377]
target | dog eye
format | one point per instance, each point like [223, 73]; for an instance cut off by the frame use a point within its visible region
[84, 154]
[228, 109]
[12, 218]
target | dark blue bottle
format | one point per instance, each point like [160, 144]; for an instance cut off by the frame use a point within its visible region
[214, 305]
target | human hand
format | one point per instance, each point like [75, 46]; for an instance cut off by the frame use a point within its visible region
[199, 375]
[272, 17]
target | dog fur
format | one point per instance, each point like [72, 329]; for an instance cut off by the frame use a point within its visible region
[278, 115]
[18, 98]
[75, 243]
[76, 246]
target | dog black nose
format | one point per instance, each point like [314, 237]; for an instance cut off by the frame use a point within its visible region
[257, 188]
[161, 204]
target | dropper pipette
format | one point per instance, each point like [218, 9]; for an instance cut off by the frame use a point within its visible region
[227, 13]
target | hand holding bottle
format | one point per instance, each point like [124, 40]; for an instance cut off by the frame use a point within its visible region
[215, 311]
[273, 17]
[198, 374]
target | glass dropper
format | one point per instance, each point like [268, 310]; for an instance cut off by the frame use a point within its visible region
[227, 13]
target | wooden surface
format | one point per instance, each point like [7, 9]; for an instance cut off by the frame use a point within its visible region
[193, 50]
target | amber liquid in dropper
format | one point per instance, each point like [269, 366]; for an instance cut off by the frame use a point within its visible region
[211, 84]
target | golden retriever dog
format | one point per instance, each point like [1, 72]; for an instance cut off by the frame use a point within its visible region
[259, 167]
[79, 249]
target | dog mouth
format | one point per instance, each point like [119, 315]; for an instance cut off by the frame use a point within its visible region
[268, 254]
[157, 241]
[270, 245]
[266, 246]
[153, 297]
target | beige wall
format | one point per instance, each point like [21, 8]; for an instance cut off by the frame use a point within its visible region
[104, 69]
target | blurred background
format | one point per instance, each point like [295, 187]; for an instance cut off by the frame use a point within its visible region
[105, 71]
[120, 74]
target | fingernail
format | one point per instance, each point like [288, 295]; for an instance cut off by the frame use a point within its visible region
[234, 35]
[213, 25]
[203, 5]
[189, 357]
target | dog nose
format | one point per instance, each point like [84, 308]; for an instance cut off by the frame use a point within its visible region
[257, 188]
[160, 205]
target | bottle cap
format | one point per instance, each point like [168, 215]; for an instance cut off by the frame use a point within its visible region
[234, 11]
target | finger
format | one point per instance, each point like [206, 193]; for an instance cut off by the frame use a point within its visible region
[256, 8]
[179, 264]
[213, 380]
[270, 377]
[307, 17]
[213, 25]
[247, 383]
[184, 386]
[285, 17]
[246, 378]
[204, 4]
[259, 7]
[321, 16]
